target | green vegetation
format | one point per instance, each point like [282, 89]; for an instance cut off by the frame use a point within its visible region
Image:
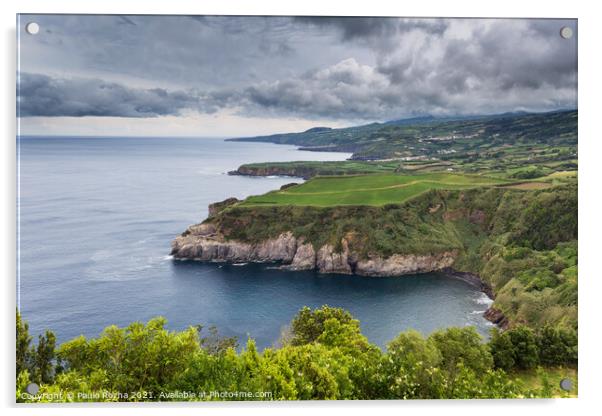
[325, 356]
[523, 349]
[36, 362]
[378, 189]
[536, 287]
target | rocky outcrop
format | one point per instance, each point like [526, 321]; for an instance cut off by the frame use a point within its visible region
[305, 258]
[206, 247]
[399, 264]
[330, 261]
[201, 242]
[497, 317]
[281, 249]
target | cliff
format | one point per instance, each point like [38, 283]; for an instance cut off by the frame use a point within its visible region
[201, 242]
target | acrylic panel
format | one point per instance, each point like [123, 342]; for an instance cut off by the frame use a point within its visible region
[295, 208]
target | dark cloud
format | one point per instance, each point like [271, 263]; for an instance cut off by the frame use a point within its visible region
[363, 28]
[437, 66]
[40, 95]
[310, 67]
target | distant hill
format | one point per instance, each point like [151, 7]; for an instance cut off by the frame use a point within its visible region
[317, 129]
[427, 135]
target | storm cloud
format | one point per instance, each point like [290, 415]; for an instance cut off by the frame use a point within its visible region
[41, 95]
[308, 67]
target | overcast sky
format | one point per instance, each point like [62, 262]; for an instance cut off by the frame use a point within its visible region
[241, 76]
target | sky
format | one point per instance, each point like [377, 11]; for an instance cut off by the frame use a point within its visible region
[234, 76]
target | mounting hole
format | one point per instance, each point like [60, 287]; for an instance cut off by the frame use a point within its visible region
[32, 388]
[566, 32]
[566, 384]
[32, 28]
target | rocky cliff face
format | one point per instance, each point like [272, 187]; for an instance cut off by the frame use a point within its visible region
[201, 242]
[399, 264]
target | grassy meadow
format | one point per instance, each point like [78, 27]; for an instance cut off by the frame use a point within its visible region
[377, 189]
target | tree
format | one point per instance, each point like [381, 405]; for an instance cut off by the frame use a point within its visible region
[410, 367]
[526, 354]
[316, 372]
[462, 345]
[502, 350]
[557, 346]
[462, 352]
[308, 324]
[43, 363]
[24, 356]
[345, 337]
[136, 358]
[214, 343]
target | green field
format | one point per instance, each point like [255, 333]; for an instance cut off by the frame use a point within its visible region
[379, 189]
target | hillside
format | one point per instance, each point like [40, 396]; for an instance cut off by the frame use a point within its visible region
[454, 138]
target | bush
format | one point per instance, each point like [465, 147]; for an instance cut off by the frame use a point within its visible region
[524, 343]
[557, 346]
[502, 350]
[308, 325]
[462, 346]
[412, 366]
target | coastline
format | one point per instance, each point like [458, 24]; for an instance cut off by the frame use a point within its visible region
[492, 314]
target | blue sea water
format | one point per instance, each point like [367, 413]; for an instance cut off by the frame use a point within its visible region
[96, 219]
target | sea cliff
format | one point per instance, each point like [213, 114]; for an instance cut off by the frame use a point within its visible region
[201, 242]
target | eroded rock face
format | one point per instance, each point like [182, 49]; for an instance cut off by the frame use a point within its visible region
[202, 242]
[329, 261]
[305, 258]
[399, 264]
[209, 249]
[197, 243]
[282, 249]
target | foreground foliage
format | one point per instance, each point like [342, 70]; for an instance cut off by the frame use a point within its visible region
[325, 357]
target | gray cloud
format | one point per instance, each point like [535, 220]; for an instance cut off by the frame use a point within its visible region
[308, 67]
[366, 28]
[40, 95]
